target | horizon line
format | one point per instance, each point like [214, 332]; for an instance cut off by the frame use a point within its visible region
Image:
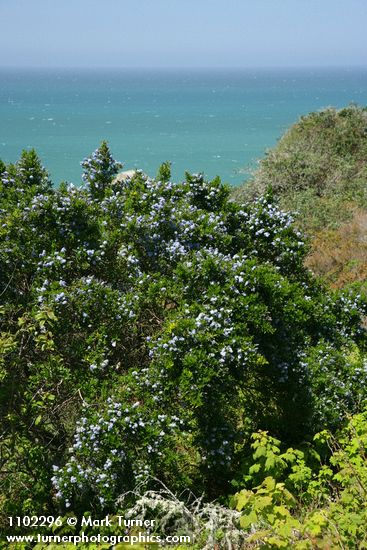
[181, 67]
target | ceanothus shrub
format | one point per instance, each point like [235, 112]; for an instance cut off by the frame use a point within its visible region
[99, 170]
[114, 448]
[171, 296]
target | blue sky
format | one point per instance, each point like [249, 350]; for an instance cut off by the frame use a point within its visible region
[183, 33]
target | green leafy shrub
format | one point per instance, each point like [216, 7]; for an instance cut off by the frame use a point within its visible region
[148, 328]
[301, 503]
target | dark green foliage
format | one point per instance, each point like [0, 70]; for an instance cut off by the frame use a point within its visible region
[164, 172]
[30, 171]
[147, 328]
[99, 170]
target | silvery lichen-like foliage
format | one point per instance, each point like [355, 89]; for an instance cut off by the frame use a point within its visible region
[148, 327]
[208, 524]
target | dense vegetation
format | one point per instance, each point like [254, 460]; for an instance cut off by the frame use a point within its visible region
[319, 170]
[148, 330]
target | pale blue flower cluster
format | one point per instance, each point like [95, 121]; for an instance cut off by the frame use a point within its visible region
[107, 455]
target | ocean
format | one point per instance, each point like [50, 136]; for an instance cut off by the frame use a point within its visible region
[219, 122]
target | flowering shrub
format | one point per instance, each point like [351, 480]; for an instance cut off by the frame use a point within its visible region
[99, 170]
[147, 328]
[127, 429]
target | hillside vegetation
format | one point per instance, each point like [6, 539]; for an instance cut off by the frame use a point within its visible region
[319, 170]
[156, 335]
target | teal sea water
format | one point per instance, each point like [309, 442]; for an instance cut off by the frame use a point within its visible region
[219, 122]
